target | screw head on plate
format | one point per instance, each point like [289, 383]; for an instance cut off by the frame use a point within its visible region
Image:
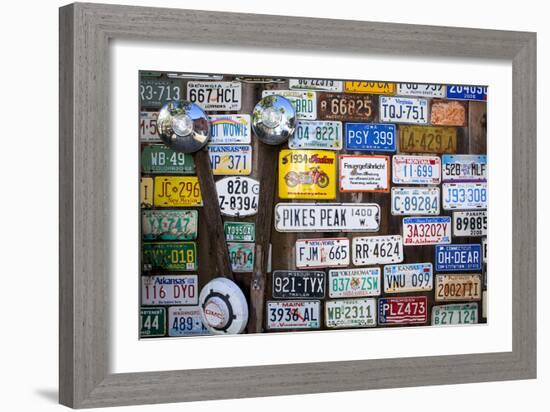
[274, 120]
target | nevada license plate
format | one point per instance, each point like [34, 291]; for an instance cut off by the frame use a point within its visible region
[173, 256]
[230, 159]
[239, 231]
[169, 224]
[215, 96]
[155, 92]
[319, 134]
[354, 283]
[177, 191]
[241, 256]
[238, 196]
[426, 230]
[470, 223]
[293, 314]
[364, 173]
[448, 113]
[146, 192]
[408, 277]
[148, 131]
[421, 89]
[372, 250]
[371, 137]
[350, 313]
[464, 196]
[229, 128]
[467, 92]
[298, 284]
[464, 168]
[322, 253]
[159, 158]
[403, 110]
[315, 84]
[416, 170]
[304, 102]
[152, 322]
[414, 201]
[457, 287]
[169, 290]
[369, 87]
[348, 107]
[408, 310]
[427, 139]
[458, 257]
[185, 321]
[454, 314]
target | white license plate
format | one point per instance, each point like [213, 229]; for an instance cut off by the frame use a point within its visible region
[464, 196]
[169, 290]
[403, 110]
[354, 283]
[215, 96]
[461, 287]
[294, 314]
[304, 102]
[454, 314]
[185, 321]
[364, 173]
[148, 131]
[414, 201]
[238, 196]
[316, 84]
[320, 134]
[470, 223]
[426, 230]
[350, 313]
[408, 277]
[421, 89]
[371, 250]
[464, 168]
[230, 159]
[322, 253]
[229, 128]
[416, 170]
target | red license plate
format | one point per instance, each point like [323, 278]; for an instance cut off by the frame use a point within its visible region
[407, 310]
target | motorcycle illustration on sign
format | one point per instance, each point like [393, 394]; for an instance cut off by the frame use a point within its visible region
[315, 176]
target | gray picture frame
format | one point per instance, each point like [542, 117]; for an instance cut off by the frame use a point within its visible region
[85, 32]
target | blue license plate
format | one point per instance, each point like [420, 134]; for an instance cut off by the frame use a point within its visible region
[466, 92]
[370, 137]
[458, 257]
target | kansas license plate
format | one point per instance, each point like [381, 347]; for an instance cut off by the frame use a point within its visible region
[152, 322]
[159, 158]
[173, 256]
[347, 107]
[364, 173]
[464, 196]
[148, 131]
[304, 102]
[318, 134]
[316, 84]
[467, 92]
[464, 168]
[229, 128]
[408, 277]
[322, 253]
[403, 110]
[470, 223]
[448, 113]
[416, 170]
[369, 87]
[215, 96]
[371, 137]
[238, 196]
[372, 250]
[293, 314]
[241, 256]
[350, 313]
[427, 139]
[407, 310]
[169, 290]
[354, 283]
[177, 191]
[185, 321]
[426, 230]
[300, 284]
[458, 257]
[454, 314]
[154, 93]
[146, 192]
[414, 201]
[169, 224]
[457, 287]
[230, 159]
[239, 231]
[421, 89]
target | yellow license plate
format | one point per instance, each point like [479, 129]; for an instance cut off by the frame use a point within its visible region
[427, 139]
[370, 87]
[177, 191]
[146, 191]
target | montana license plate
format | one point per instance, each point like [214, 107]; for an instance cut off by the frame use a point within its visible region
[169, 224]
[229, 128]
[470, 223]
[408, 277]
[414, 201]
[407, 310]
[426, 230]
[304, 102]
[427, 139]
[350, 313]
[403, 110]
[298, 284]
[293, 314]
[416, 170]
[354, 283]
[315, 84]
[152, 322]
[371, 137]
[215, 96]
[241, 256]
[169, 290]
[230, 159]
[238, 196]
[369, 87]
[322, 253]
[457, 287]
[467, 92]
[239, 231]
[347, 107]
[173, 256]
[421, 89]
[177, 191]
[185, 321]
[372, 250]
[364, 173]
[464, 196]
[458, 257]
[464, 168]
[158, 158]
[454, 314]
[317, 134]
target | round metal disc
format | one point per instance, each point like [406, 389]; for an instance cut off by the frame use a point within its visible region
[183, 126]
[274, 120]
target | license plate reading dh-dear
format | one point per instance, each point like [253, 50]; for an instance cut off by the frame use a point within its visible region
[304, 102]
[229, 128]
[464, 196]
[318, 134]
[457, 287]
[173, 256]
[230, 159]
[414, 201]
[241, 256]
[316, 84]
[350, 313]
[159, 158]
[403, 110]
[185, 321]
[371, 137]
[238, 196]
[177, 191]
[294, 314]
[464, 168]
[408, 277]
[470, 223]
[407, 310]
[347, 107]
[427, 139]
[169, 290]
[455, 314]
[421, 89]
[354, 283]
[298, 284]
[215, 96]
[372, 250]
[457, 257]
[322, 253]
[426, 230]
[169, 224]
[416, 170]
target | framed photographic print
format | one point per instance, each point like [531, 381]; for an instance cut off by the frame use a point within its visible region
[291, 205]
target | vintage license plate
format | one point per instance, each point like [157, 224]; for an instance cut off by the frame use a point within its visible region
[238, 196]
[324, 85]
[427, 139]
[327, 217]
[414, 201]
[350, 313]
[159, 158]
[464, 196]
[421, 90]
[177, 191]
[148, 132]
[318, 134]
[448, 113]
[484, 249]
[169, 224]
[307, 174]
[407, 310]
[215, 96]
[293, 314]
[230, 159]
[322, 253]
[459, 92]
[457, 287]
[369, 87]
[354, 283]
[169, 290]
[426, 230]
[304, 102]
[470, 223]
[229, 128]
[146, 192]
[408, 277]
[152, 322]
[185, 321]
[455, 314]
[458, 257]
[464, 168]
[154, 93]
[347, 107]
[416, 170]
[403, 110]
[372, 250]
[371, 137]
[173, 256]
[364, 173]
[241, 256]
[293, 284]
[239, 231]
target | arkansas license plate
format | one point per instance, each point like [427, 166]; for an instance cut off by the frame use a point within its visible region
[427, 139]
[467, 92]
[229, 128]
[239, 231]
[315, 84]
[350, 313]
[454, 314]
[152, 322]
[464, 168]
[408, 277]
[230, 159]
[154, 93]
[457, 287]
[464, 196]
[241, 256]
[159, 158]
[294, 314]
[414, 201]
[185, 321]
[372, 250]
[448, 113]
[348, 107]
[238, 196]
[319, 134]
[421, 89]
[369, 87]
[354, 283]
[169, 224]
[371, 137]
[304, 102]
[169, 290]
[426, 230]
[416, 170]
[215, 96]
[177, 191]
[364, 173]
[295, 284]
[408, 310]
[322, 253]
[470, 223]
[458, 257]
[173, 256]
[148, 131]
[403, 110]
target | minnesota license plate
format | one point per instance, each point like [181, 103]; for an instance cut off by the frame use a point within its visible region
[239, 231]
[174, 256]
[322, 253]
[369, 87]
[427, 139]
[215, 96]
[372, 250]
[315, 84]
[229, 128]
[364, 173]
[448, 113]
[457, 287]
[467, 92]
[347, 107]
[154, 93]
[241, 256]
[350, 313]
[296, 284]
[454, 314]
[414, 201]
[159, 158]
[407, 310]
[408, 277]
[185, 321]
[426, 230]
[230, 159]
[238, 196]
[403, 110]
[152, 322]
[458, 257]
[177, 191]
[304, 102]
[169, 290]
[421, 89]
[146, 192]
[148, 131]
[464, 196]
[169, 224]
[464, 168]
[470, 223]
[370, 137]
[354, 283]
[293, 314]
[319, 134]
[416, 170]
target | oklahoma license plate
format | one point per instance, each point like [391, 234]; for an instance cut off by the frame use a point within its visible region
[239, 231]
[318, 134]
[304, 102]
[470, 223]
[408, 310]
[158, 158]
[364, 173]
[347, 107]
[185, 321]
[454, 314]
[421, 89]
[457, 287]
[464, 168]
[238, 196]
[427, 139]
[448, 113]
[169, 224]
[152, 322]
[408, 277]
[403, 110]
[371, 137]
[148, 131]
[464, 196]
[177, 191]
[416, 170]
[369, 87]
[354, 283]
[372, 250]
[215, 96]
[293, 314]
[322, 253]
[467, 92]
[350, 313]
[230, 159]
[298, 284]
[458, 257]
[426, 230]
[174, 256]
[241, 256]
[154, 93]
[229, 128]
[169, 290]
[315, 84]
[414, 201]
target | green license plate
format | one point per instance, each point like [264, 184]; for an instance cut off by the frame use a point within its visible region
[169, 224]
[159, 158]
[152, 322]
[154, 93]
[176, 256]
[455, 314]
[241, 256]
[239, 231]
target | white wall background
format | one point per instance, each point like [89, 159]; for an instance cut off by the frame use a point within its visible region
[29, 164]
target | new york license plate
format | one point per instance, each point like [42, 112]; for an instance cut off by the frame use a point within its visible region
[458, 257]
[350, 313]
[421, 89]
[354, 283]
[408, 277]
[239, 231]
[403, 110]
[318, 134]
[300, 284]
[241, 256]
[169, 224]
[230, 159]
[408, 310]
[159, 158]
[347, 107]
[372, 250]
[185, 321]
[464, 168]
[454, 314]
[174, 256]
[215, 96]
[238, 196]
[322, 253]
[293, 314]
[169, 290]
[229, 128]
[426, 230]
[416, 170]
[457, 287]
[304, 102]
[470, 223]
[464, 196]
[177, 191]
[427, 139]
[371, 137]
[414, 201]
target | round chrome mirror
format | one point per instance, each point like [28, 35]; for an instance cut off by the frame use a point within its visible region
[274, 120]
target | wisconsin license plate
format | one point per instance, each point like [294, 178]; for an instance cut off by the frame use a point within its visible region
[239, 231]
[238, 196]
[293, 314]
[348, 107]
[146, 192]
[295, 284]
[315, 84]
[173, 256]
[467, 92]
[241, 256]
[403, 110]
[464, 196]
[408, 310]
[148, 131]
[152, 322]
[229, 128]
[408, 277]
[372, 250]
[371, 137]
[470, 223]
[414, 201]
[354, 283]
[350, 313]
[169, 224]
[369, 87]
[215, 96]
[154, 93]
[177, 191]
[319, 134]
[364, 173]
[457, 287]
[304, 102]
[427, 139]
[169, 290]
[464, 168]
[458, 257]
[421, 89]
[185, 321]
[426, 230]
[230, 159]
[322, 253]
[159, 158]
[454, 314]
[416, 170]
[448, 113]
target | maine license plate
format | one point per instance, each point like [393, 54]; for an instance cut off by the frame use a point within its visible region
[293, 284]
[454, 314]
[230, 159]
[238, 196]
[408, 277]
[173, 256]
[467, 92]
[316, 84]
[185, 321]
[169, 224]
[152, 322]
[148, 131]
[327, 217]
[414, 201]
[169, 290]
[403, 110]
[146, 192]
[448, 113]
[458, 257]
[364, 173]
[154, 92]
[464, 168]
[354, 283]
[470, 223]
[421, 89]
[407, 310]
[350, 313]
[322, 253]
[426, 230]
[348, 107]
[304, 102]
[318, 134]
[229, 128]
[369, 87]
[427, 139]
[457, 287]
[416, 170]
[372, 250]
[239, 231]
[371, 137]
[241, 256]
[215, 96]
[159, 158]
[464, 196]
[177, 191]
[294, 314]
